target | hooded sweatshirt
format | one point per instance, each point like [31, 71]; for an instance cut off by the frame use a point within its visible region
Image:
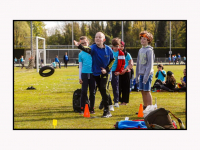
[145, 61]
[120, 62]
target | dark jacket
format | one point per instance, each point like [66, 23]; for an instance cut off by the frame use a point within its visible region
[170, 85]
[65, 59]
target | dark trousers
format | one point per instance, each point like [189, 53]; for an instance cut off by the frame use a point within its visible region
[88, 80]
[102, 83]
[66, 63]
[165, 88]
[22, 65]
[115, 87]
[110, 101]
[59, 64]
[124, 87]
[182, 89]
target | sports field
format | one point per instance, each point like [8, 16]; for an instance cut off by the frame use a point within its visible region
[52, 99]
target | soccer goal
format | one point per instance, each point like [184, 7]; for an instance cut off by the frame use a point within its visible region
[40, 52]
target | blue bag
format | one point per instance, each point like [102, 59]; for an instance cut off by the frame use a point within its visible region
[128, 124]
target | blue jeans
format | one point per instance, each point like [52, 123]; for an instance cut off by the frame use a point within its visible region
[147, 86]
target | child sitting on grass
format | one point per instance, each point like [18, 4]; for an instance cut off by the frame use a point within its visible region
[170, 83]
[53, 64]
[160, 75]
[182, 85]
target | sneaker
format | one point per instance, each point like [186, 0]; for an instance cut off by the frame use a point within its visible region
[106, 114]
[81, 112]
[111, 108]
[116, 105]
[101, 105]
[92, 111]
[123, 103]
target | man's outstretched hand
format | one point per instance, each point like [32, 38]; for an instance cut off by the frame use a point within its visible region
[76, 43]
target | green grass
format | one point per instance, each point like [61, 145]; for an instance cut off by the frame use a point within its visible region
[52, 99]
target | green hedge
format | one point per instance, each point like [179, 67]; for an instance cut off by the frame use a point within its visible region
[159, 51]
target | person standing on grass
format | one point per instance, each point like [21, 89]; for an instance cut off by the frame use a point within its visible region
[42, 63]
[184, 59]
[179, 58]
[66, 59]
[57, 61]
[125, 76]
[117, 68]
[15, 60]
[22, 61]
[175, 59]
[169, 59]
[102, 61]
[86, 77]
[144, 67]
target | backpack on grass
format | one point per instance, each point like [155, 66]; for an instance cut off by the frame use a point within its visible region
[134, 86]
[160, 119]
[157, 84]
[77, 100]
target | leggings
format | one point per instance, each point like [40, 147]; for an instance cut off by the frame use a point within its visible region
[124, 87]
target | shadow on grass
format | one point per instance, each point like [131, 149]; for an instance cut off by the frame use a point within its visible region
[180, 113]
[64, 92]
[47, 119]
[47, 111]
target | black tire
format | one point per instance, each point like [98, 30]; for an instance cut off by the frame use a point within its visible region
[46, 74]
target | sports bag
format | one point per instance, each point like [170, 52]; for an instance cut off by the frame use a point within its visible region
[160, 119]
[135, 86]
[77, 100]
[129, 124]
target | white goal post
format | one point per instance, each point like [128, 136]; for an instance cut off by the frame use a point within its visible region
[41, 50]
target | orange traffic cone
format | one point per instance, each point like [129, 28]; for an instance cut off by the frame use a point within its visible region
[86, 111]
[140, 113]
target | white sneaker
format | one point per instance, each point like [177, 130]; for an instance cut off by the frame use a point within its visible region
[116, 105]
[111, 108]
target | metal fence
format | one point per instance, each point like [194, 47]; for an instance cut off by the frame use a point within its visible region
[74, 61]
[72, 54]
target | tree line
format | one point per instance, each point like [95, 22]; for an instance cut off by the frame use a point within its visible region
[62, 35]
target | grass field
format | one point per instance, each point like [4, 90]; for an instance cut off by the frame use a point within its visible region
[52, 99]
